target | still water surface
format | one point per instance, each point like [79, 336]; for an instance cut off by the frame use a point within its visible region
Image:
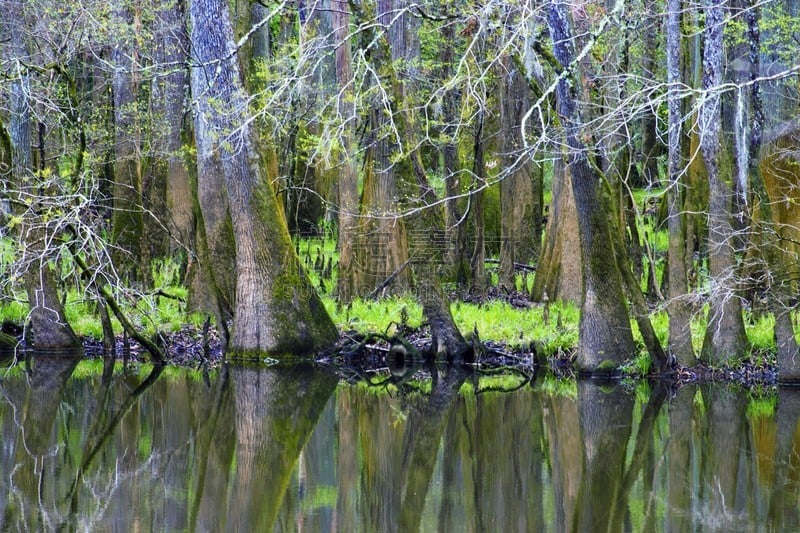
[244, 449]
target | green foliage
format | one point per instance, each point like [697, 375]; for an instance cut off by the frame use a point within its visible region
[519, 328]
[324, 496]
[760, 331]
[639, 366]
[13, 311]
[377, 315]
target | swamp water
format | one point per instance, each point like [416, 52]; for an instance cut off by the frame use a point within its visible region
[243, 449]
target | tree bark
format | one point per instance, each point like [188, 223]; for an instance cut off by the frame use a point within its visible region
[348, 173]
[725, 339]
[277, 309]
[520, 213]
[605, 338]
[455, 219]
[678, 308]
[127, 218]
[426, 229]
[169, 175]
[558, 272]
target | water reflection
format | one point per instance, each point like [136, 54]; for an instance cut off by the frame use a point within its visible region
[32, 424]
[286, 449]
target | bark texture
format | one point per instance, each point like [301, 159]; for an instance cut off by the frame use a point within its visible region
[725, 337]
[605, 339]
[127, 220]
[277, 310]
[520, 209]
[678, 308]
[170, 190]
[558, 272]
[347, 182]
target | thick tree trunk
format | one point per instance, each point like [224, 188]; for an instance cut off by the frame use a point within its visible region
[518, 205]
[558, 273]
[725, 336]
[456, 181]
[605, 339]
[130, 256]
[348, 172]
[168, 175]
[426, 224]
[383, 249]
[678, 308]
[277, 309]
[778, 164]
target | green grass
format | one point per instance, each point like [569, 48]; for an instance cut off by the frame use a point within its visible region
[550, 331]
[760, 332]
[14, 310]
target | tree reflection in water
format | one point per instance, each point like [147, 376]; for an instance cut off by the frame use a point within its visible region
[287, 449]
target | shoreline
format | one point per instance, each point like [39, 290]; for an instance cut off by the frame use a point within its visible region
[191, 347]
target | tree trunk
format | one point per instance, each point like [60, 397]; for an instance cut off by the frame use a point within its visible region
[277, 309]
[478, 259]
[725, 339]
[169, 175]
[678, 308]
[605, 339]
[130, 256]
[455, 219]
[348, 173]
[558, 273]
[426, 229]
[651, 147]
[779, 163]
[47, 327]
[518, 206]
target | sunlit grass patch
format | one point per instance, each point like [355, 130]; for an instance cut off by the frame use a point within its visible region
[552, 329]
[376, 315]
[760, 331]
[13, 311]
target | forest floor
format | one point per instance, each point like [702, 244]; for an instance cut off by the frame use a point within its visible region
[358, 352]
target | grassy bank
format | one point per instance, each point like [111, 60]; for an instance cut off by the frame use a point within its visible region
[551, 329]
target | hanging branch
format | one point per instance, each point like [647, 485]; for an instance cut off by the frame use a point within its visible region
[155, 351]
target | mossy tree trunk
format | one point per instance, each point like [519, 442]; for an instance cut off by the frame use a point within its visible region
[127, 222]
[779, 165]
[520, 209]
[678, 308]
[725, 338]
[426, 221]
[605, 338]
[478, 285]
[558, 272]
[277, 310]
[456, 180]
[170, 182]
